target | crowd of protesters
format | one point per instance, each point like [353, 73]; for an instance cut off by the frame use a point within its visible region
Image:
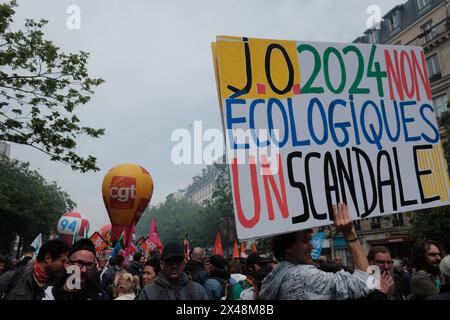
[76, 272]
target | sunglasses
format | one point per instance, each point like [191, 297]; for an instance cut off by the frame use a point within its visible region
[81, 264]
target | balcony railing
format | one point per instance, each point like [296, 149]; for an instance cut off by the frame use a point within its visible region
[436, 32]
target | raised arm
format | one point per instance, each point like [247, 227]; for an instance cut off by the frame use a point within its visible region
[343, 223]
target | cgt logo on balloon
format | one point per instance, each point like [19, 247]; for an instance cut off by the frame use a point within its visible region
[122, 192]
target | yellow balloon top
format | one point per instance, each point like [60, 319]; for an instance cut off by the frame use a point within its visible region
[127, 190]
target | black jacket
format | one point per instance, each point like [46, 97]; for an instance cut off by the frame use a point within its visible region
[135, 268]
[196, 272]
[91, 291]
[19, 284]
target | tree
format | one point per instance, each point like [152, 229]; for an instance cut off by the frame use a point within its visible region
[29, 205]
[176, 218]
[434, 223]
[40, 87]
[219, 210]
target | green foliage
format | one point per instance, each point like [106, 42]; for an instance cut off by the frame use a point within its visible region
[28, 204]
[444, 120]
[174, 219]
[220, 211]
[433, 224]
[40, 87]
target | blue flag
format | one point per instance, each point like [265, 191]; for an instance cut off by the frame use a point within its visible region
[37, 244]
[316, 242]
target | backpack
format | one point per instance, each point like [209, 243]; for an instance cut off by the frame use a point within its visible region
[18, 273]
[229, 288]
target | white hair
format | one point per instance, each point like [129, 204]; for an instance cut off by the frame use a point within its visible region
[444, 266]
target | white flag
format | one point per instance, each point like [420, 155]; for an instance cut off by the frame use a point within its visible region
[37, 244]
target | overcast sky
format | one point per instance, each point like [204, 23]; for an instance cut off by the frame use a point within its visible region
[155, 57]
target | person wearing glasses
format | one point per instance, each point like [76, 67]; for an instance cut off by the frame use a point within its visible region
[82, 281]
[426, 258]
[296, 278]
[392, 286]
[29, 282]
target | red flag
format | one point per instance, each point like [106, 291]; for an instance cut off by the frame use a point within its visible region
[218, 246]
[98, 241]
[153, 241]
[144, 246]
[235, 250]
[141, 243]
[129, 240]
[254, 247]
[132, 249]
[243, 255]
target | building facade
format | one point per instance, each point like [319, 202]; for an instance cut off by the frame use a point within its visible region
[180, 194]
[203, 185]
[420, 23]
[423, 23]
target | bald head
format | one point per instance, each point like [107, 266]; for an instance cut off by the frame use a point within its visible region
[198, 254]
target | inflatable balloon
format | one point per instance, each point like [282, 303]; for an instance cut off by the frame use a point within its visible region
[69, 225]
[127, 190]
[84, 228]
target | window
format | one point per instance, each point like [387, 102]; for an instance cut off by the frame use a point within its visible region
[376, 223]
[440, 104]
[431, 32]
[373, 36]
[422, 3]
[397, 220]
[434, 68]
[394, 20]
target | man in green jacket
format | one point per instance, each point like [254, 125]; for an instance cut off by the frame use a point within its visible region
[425, 282]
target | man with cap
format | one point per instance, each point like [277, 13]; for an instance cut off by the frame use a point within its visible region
[216, 285]
[172, 283]
[255, 262]
[82, 281]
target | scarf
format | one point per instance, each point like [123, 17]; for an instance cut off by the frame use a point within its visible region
[40, 275]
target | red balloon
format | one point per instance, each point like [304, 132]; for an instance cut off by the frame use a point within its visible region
[84, 229]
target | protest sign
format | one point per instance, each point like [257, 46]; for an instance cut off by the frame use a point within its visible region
[99, 243]
[310, 124]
